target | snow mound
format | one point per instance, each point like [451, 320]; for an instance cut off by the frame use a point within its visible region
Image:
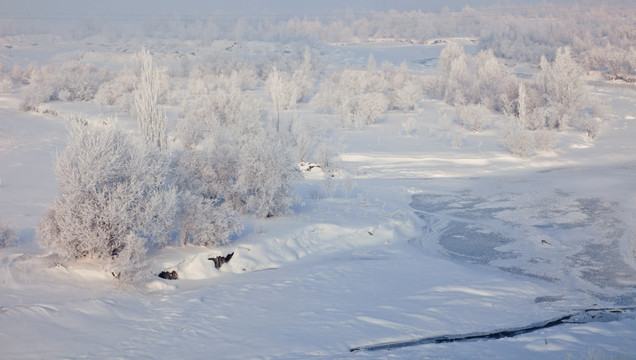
[272, 249]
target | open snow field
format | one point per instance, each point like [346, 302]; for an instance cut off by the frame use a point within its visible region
[412, 239]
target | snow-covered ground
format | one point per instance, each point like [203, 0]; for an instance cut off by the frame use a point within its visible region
[410, 239]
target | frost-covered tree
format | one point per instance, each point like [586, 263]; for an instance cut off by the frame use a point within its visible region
[494, 86]
[236, 162]
[570, 93]
[558, 97]
[358, 97]
[265, 174]
[151, 117]
[455, 76]
[448, 55]
[522, 104]
[303, 78]
[458, 85]
[114, 201]
[283, 92]
[7, 236]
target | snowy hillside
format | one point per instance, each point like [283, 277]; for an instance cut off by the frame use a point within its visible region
[411, 233]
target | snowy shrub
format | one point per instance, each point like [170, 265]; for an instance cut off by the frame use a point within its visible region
[205, 221]
[305, 138]
[407, 95]
[517, 140]
[557, 97]
[265, 172]
[117, 92]
[72, 81]
[409, 126]
[204, 177]
[481, 79]
[495, 86]
[7, 236]
[617, 62]
[235, 158]
[434, 86]
[473, 117]
[34, 95]
[6, 85]
[590, 125]
[366, 109]
[209, 170]
[196, 124]
[402, 89]
[6, 79]
[222, 106]
[81, 81]
[361, 97]
[114, 202]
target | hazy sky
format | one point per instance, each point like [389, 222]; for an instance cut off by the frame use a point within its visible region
[45, 8]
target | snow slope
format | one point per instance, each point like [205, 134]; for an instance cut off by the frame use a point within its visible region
[411, 239]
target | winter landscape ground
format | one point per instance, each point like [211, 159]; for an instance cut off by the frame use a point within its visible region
[412, 234]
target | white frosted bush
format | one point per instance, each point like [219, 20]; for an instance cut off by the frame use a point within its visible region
[518, 141]
[230, 156]
[361, 97]
[114, 203]
[369, 108]
[473, 117]
[409, 126]
[72, 81]
[265, 172]
[494, 86]
[209, 171]
[7, 236]
[117, 92]
[407, 95]
[207, 222]
[450, 53]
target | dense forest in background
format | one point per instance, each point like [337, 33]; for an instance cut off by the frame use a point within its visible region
[601, 34]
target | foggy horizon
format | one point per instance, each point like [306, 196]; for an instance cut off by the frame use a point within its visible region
[75, 8]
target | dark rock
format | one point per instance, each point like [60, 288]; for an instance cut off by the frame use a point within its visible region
[169, 275]
[220, 260]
